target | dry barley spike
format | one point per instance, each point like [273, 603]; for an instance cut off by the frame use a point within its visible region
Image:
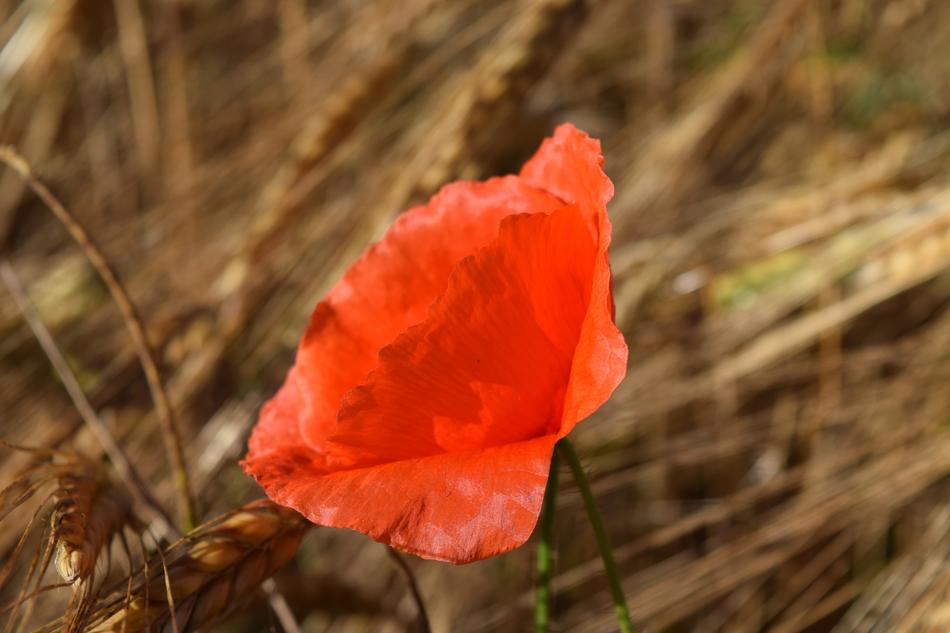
[207, 574]
[89, 510]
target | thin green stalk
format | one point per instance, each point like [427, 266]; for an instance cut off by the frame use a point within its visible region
[603, 543]
[542, 585]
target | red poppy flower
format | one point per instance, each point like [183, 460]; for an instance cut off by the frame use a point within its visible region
[435, 378]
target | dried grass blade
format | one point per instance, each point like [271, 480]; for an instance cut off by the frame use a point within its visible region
[132, 320]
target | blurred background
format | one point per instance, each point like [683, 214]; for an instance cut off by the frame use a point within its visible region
[777, 458]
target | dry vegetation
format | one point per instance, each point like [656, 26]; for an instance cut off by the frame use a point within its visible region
[777, 458]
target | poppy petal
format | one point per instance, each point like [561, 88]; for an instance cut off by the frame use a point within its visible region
[278, 429]
[454, 507]
[600, 359]
[570, 165]
[491, 363]
[444, 450]
[391, 286]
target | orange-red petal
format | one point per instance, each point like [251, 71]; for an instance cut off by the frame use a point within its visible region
[570, 165]
[391, 286]
[444, 450]
[454, 507]
[491, 363]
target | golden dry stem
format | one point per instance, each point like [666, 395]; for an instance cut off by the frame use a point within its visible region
[133, 322]
[207, 574]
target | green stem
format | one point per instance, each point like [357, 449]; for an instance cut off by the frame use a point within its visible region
[603, 543]
[542, 586]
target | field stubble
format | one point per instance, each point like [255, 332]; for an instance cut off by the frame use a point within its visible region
[777, 458]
